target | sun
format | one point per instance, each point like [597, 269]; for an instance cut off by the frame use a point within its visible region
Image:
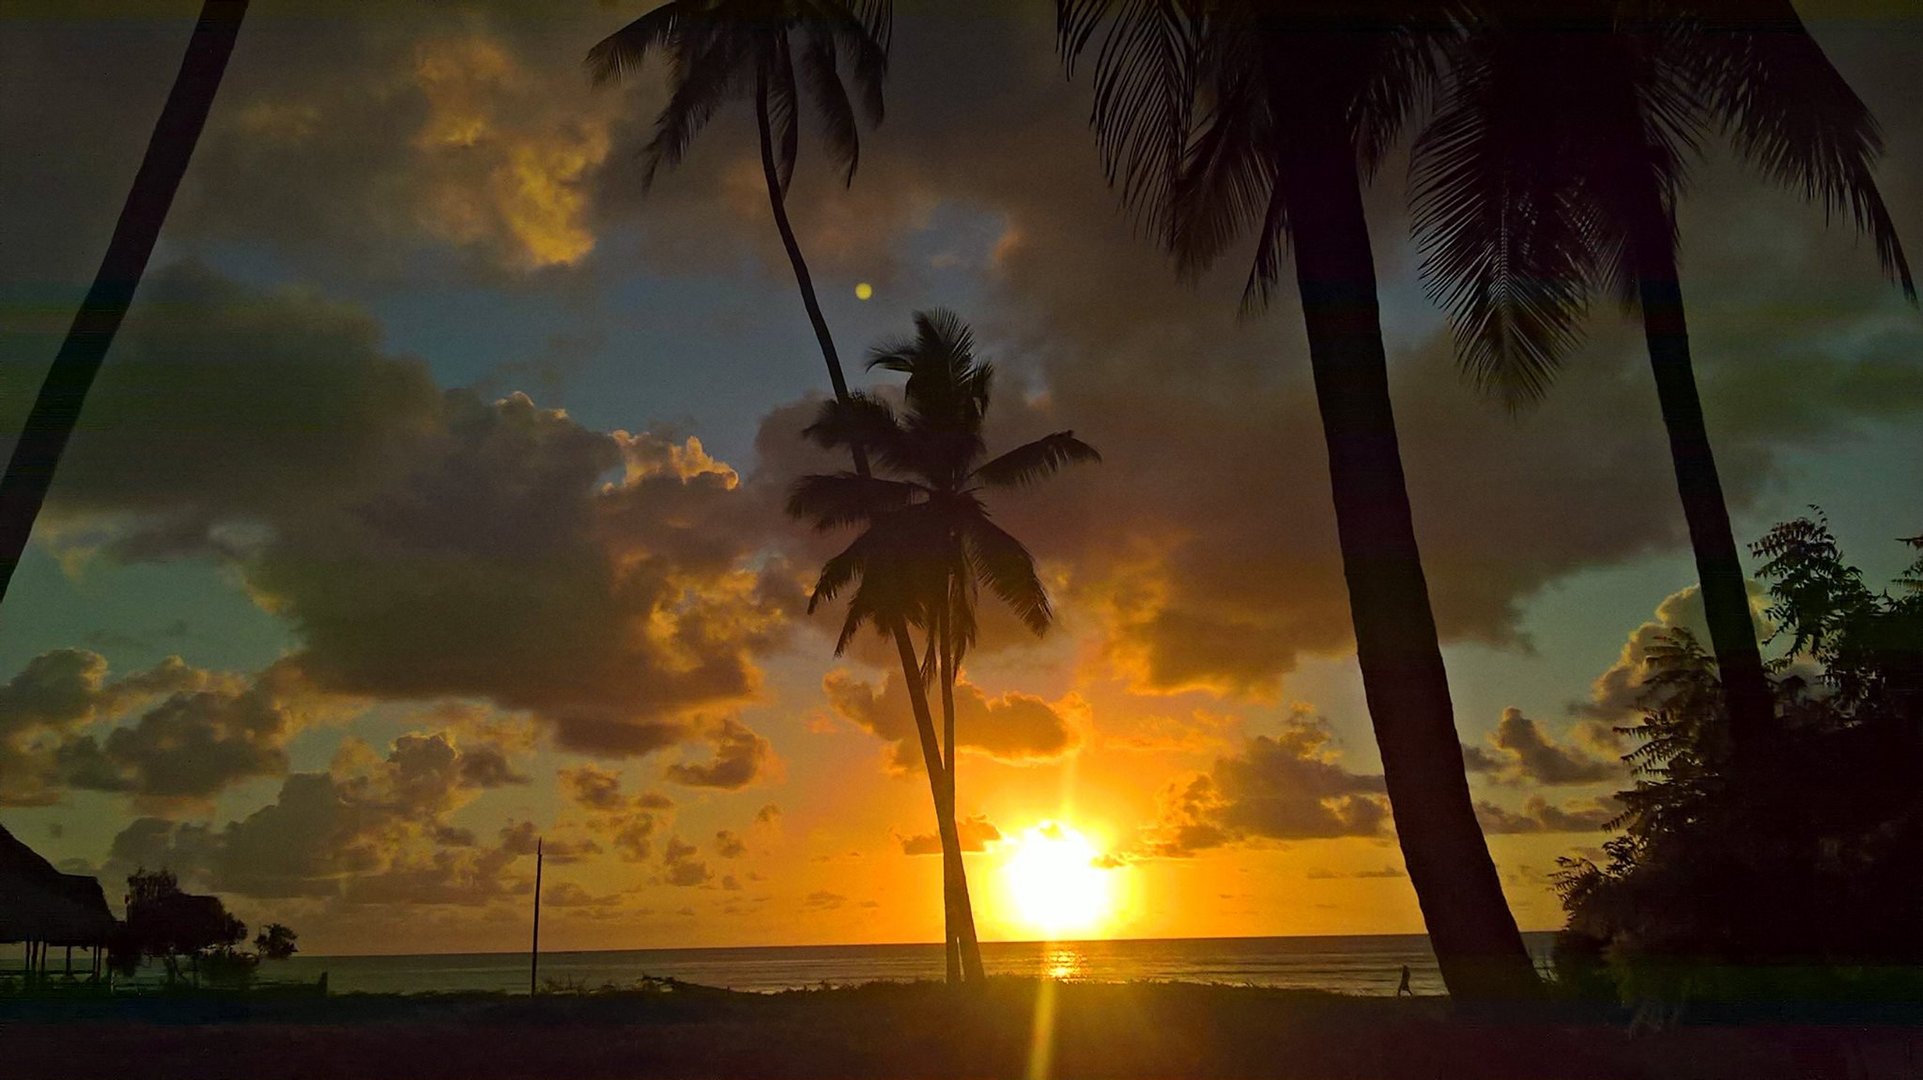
[1055, 884]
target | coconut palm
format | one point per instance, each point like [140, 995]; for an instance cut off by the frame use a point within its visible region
[1216, 118]
[1554, 168]
[769, 51]
[929, 544]
[57, 408]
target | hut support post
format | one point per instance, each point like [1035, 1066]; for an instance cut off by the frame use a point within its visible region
[534, 951]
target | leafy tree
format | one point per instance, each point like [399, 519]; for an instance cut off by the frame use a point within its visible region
[1807, 859]
[166, 923]
[768, 51]
[276, 942]
[1218, 118]
[1553, 169]
[929, 545]
[56, 410]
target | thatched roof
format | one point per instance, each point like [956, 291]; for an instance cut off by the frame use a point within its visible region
[39, 903]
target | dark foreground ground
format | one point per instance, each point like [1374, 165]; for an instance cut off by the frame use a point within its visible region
[904, 1032]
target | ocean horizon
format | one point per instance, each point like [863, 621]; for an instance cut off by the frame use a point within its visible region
[1350, 964]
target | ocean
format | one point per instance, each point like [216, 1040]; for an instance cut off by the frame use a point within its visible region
[1351, 965]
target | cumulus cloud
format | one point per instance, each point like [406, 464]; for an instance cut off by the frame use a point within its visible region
[680, 867]
[729, 845]
[425, 544]
[1012, 727]
[1289, 786]
[1518, 751]
[371, 829]
[1539, 815]
[1617, 693]
[628, 822]
[976, 834]
[740, 756]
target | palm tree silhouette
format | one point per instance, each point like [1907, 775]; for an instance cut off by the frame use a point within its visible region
[768, 50]
[56, 409]
[1298, 101]
[929, 545]
[1553, 169]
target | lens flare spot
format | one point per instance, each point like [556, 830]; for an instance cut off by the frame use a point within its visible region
[864, 291]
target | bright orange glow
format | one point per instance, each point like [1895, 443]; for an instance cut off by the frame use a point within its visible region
[1054, 885]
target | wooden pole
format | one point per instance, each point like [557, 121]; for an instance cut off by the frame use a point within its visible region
[534, 956]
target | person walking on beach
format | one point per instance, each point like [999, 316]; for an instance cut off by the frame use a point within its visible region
[1403, 986]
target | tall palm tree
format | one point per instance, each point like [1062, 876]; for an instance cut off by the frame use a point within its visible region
[1297, 102]
[929, 545]
[57, 407]
[768, 50]
[1554, 168]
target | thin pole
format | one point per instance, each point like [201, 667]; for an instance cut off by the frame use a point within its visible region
[534, 958]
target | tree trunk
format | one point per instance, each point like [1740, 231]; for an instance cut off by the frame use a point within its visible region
[966, 944]
[55, 411]
[958, 917]
[951, 950]
[1470, 926]
[1719, 568]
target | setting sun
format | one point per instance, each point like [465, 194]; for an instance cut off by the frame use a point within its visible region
[1054, 884]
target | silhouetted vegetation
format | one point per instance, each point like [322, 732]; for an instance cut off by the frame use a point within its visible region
[1553, 171]
[276, 942]
[43, 438]
[1800, 870]
[1223, 118]
[929, 546]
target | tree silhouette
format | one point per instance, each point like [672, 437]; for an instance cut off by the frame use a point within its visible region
[767, 50]
[56, 410]
[1218, 117]
[1553, 169]
[276, 941]
[929, 545]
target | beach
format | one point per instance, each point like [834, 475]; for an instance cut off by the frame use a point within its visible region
[915, 1030]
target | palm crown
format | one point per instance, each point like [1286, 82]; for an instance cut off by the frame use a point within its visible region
[774, 50]
[929, 545]
[1566, 125]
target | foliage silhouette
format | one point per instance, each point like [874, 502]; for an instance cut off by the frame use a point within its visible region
[929, 545]
[1806, 859]
[276, 942]
[1220, 117]
[166, 923]
[721, 50]
[1553, 169]
[43, 438]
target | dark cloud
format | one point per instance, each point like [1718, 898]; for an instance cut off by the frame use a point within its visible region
[740, 756]
[1538, 814]
[680, 867]
[1519, 752]
[823, 900]
[1289, 786]
[1013, 727]
[729, 845]
[423, 544]
[627, 822]
[976, 834]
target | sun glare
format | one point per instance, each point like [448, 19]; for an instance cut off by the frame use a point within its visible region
[1054, 884]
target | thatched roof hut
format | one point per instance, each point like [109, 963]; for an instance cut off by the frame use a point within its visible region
[41, 904]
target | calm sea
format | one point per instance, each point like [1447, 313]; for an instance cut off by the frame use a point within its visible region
[1353, 965]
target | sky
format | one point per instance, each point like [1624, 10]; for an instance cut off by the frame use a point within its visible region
[430, 500]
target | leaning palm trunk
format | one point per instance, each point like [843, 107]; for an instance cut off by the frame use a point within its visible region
[1470, 927]
[56, 410]
[1732, 632]
[958, 919]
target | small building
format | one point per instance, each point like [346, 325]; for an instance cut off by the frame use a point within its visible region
[40, 906]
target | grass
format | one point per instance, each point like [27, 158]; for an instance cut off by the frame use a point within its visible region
[1134, 1030]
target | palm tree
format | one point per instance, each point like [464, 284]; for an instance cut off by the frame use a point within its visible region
[719, 50]
[1553, 169]
[1298, 100]
[930, 545]
[56, 409]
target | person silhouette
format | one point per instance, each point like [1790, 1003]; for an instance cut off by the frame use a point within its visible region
[1403, 986]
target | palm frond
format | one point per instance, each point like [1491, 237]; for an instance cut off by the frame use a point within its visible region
[783, 105]
[1004, 565]
[822, 78]
[834, 500]
[862, 421]
[622, 53]
[1787, 110]
[1036, 460]
[708, 69]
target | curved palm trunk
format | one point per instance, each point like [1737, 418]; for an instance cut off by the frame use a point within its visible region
[1470, 926]
[963, 948]
[1732, 630]
[959, 921]
[57, 408]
